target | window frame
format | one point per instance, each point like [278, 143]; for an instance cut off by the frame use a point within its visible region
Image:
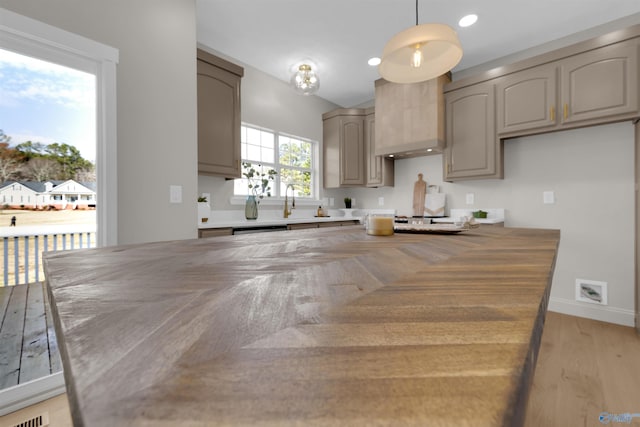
[276, 198]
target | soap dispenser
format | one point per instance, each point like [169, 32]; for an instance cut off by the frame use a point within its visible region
[320, 211]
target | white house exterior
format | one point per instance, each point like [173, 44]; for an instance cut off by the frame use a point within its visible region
[48, 195]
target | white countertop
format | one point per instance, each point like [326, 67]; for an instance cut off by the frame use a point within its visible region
[271, 217]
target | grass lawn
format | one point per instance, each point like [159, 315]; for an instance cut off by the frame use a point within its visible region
[25, 217]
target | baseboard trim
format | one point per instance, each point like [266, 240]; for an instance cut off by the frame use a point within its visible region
[592, 311]
[22, 395]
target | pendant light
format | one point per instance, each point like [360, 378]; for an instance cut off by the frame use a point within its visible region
[305, 81]
[420, 53]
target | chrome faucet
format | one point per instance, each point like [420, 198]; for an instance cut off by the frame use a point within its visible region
[287, 211]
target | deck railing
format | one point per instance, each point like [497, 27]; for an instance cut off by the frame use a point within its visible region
[23, 249]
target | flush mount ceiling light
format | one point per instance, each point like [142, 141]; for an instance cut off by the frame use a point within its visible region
[305, 81]
[420, 53]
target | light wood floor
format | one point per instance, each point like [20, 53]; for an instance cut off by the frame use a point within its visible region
[584, 368]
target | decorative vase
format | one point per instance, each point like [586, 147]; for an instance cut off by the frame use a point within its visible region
[251, 208]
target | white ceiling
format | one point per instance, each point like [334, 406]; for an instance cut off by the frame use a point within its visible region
[339, 36]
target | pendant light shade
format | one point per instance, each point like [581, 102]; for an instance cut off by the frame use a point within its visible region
[420, 53]
[305, 81]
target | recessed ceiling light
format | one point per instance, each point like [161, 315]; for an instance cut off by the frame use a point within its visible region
[374, 61]
[468, 20]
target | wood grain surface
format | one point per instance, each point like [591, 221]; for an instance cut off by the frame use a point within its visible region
[310, 327]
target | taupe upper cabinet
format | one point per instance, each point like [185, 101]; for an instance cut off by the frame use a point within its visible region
[380, 169]
[593, 87]
[352, 166]
[600, 83]
[343, 148]
[218, 116]
[473, 149]
[348, 150]
[527, 99]
[410, 117]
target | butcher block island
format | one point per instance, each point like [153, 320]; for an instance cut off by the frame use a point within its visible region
[323, 327]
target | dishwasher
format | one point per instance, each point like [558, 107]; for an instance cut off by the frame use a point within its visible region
[264, 229]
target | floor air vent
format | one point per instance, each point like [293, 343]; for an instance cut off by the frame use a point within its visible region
[41, 420]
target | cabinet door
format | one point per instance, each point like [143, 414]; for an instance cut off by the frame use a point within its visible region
[600, 83]
[527, 99]
[352, 150]
[379, 168]
[473, 149]
[214, 232]
[218, 121]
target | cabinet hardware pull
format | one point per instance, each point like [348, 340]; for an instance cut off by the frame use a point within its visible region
[553, 113]
[566, 111]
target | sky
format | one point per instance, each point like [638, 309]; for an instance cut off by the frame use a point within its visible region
[45, 102]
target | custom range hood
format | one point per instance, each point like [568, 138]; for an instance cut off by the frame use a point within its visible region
[410, 118]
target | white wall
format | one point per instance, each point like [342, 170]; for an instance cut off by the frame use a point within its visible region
[156, 104]
[273, 104]
[591, 172]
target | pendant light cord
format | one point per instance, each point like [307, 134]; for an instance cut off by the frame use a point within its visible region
[416, 12]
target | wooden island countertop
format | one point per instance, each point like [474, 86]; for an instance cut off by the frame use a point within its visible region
[308, 328]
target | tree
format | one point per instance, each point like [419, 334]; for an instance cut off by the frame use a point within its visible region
[9, 168]
[30, 149]
[41, 162]
[4, 139]
[69, 159]
[85, 175]
[295, 156]
[42, 169]
[9, 159]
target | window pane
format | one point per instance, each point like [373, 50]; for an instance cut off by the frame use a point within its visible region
[253, 153]
[268, 155]
[295, 152]
[292, 158]
[253, 136]
[301, 181]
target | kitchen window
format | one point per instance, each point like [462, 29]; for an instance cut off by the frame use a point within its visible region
[294, 158]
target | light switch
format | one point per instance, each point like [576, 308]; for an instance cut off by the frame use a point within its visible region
[331, 201]
[470, 198]
[548, 197]
[380, 201]
[175, 194]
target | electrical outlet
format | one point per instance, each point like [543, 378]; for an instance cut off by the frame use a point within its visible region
[380, 201]
[331, 201]
[470, 198]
